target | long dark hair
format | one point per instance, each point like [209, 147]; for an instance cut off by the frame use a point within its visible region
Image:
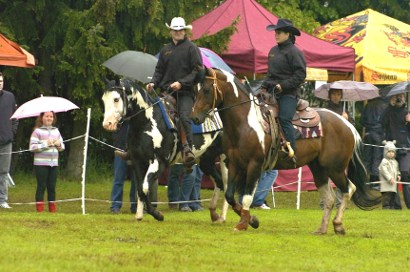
[292, 38]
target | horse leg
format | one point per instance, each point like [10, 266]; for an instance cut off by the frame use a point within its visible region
[252, 177]
[327, 196]
[150, 177]
[337, 220]
[224, 174]
[212, 207]
[207, 165]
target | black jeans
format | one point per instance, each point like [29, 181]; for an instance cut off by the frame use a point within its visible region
[287, 109]
[185, 104]
[373, 155]
[46, 178]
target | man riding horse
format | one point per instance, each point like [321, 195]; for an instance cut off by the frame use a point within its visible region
[176, 72]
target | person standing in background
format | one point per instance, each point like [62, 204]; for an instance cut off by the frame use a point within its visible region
[188, 192]
[389, 174]
[121, 171]
[396, 124]
[8, 129]
[373, 136]
[46, 142]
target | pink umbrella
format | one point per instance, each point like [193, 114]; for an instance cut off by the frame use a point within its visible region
[41, 104]
[212, 60]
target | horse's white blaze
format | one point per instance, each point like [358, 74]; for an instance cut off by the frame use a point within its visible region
[113, 111]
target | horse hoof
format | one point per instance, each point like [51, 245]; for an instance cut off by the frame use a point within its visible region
[254, 222]
[221, 220]
[159, 216]
[339, 230]
[138, 218]
[319, 232]
[241, 227]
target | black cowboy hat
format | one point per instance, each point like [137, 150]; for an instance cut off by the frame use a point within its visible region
[285, 25]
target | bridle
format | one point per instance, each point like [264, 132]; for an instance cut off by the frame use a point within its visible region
[216, 91]
[215, 87]
[126, 104]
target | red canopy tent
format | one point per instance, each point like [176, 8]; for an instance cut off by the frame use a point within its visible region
[11, 54]
[249, 47]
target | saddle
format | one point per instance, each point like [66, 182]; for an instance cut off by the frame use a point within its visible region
[305, 116]
[170, 105]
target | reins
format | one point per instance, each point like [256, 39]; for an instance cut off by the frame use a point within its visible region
[217, 90]
[126, 102]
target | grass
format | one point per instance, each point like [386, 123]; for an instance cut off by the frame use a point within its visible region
[378, 240]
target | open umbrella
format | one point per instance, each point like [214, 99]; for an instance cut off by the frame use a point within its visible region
[352, 90]
[213, 60]
[41, 104]
[398, 88]
[134, 64]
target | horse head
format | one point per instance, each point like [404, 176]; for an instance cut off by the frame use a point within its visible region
[117, 100]
[210, 94]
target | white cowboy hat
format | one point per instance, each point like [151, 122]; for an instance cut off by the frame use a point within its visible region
[178, 23]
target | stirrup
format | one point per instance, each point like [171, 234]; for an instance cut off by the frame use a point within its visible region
[189, 158]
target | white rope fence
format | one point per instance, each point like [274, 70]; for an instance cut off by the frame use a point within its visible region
[83, 199]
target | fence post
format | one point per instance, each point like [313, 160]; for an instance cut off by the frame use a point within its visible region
[87, 133]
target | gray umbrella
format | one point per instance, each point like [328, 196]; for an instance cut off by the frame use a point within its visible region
[134, 64]
[398, 88]
[352, 90]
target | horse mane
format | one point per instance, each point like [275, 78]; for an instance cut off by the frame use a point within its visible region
[236, 80]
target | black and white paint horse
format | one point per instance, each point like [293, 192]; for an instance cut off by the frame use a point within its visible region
[152, 146]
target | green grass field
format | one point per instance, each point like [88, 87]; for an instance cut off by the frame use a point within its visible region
[377, 240]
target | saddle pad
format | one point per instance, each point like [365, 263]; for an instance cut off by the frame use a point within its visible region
[167, 119]
[210, 124]
[310, 132]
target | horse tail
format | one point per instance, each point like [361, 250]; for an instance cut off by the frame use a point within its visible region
[363, 197]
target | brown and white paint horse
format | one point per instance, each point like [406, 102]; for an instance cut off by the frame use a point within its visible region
[152, 146]
[247, 147]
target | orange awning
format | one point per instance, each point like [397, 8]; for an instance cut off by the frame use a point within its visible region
[11, 54]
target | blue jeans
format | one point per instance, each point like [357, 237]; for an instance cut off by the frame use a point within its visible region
[287, 109]
[121, 169]
[266, 181]
[190, 188]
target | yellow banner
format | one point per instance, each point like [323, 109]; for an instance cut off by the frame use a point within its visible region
[381, 43]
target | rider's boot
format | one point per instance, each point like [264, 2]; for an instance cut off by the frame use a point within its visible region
[189, 158]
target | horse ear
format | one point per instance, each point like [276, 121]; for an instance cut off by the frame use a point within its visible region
[200, 76]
